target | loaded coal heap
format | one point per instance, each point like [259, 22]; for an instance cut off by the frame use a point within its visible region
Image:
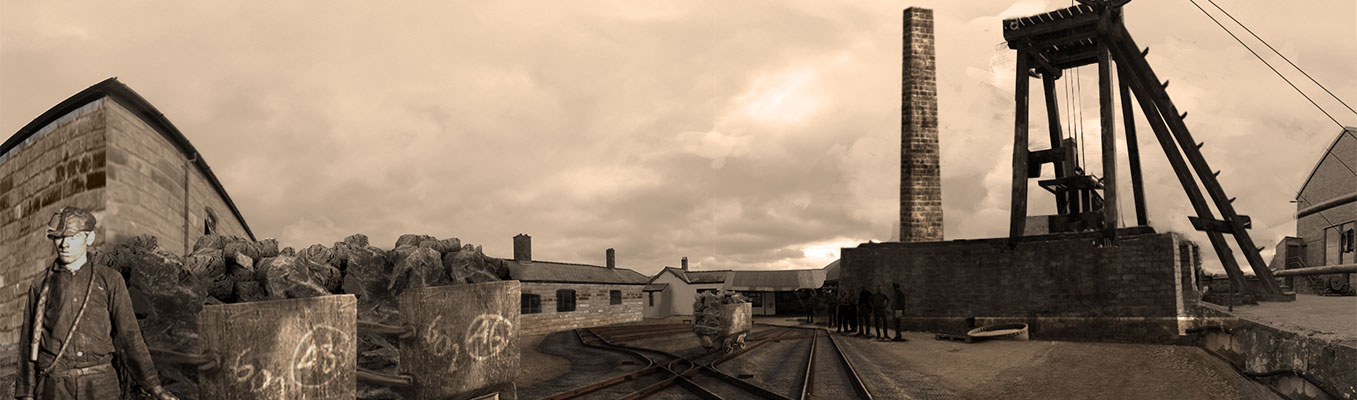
[168, 291]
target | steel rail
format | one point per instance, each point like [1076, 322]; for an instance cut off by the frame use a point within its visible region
[589, 388]
[858, 386]
[682, 376]
[808, 382]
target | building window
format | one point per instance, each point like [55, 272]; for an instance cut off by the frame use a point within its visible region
[530, 303]
[565, 300]
[210, 222]
[652, 298]
[755, 298]
[1339, 244]
[614, 297]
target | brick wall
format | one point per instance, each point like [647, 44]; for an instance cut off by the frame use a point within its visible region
[146, 189]
[920, 177]
[1069, 284]
[103, 158]
[592, 307]
[1330, 180]
[62, 165]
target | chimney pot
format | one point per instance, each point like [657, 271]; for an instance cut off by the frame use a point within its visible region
[612, 258]
[685, 263]
[523, 248]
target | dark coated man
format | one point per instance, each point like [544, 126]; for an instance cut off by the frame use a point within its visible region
[77, 316]
[850, 311]
[864, 312]
[898, 306]
[880, 307]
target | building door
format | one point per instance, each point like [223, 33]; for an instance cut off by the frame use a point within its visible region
[1338, 244]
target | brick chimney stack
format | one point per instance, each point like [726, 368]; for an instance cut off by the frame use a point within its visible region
[685, 263]
[920, 177]
[612, 258]
[523, 248]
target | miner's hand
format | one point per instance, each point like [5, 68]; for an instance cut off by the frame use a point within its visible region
[162, 394]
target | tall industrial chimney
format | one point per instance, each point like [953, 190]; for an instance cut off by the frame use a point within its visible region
[523, 248]
[612, 258]
[920, 177]
[685, 263]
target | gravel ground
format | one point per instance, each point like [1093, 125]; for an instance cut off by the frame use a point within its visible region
[775, 366]
[923, 368]
[831, 377]
[543, 366]
[1323, 317]
[587, 365]
[926, 368]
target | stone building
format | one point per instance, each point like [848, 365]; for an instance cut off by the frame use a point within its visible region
[1326, 218]
[108, 150]
[559, 296]
[672, 291]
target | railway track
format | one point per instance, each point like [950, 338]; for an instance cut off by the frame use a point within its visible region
[824, 372]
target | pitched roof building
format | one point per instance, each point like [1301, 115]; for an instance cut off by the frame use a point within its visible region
[108, 150]
[1326, 218]
[559, 296]
[673, 290]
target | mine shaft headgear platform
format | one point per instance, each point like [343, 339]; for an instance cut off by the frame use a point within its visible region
[1093, 33]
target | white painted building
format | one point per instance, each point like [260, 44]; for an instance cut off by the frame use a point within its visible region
[672, 291]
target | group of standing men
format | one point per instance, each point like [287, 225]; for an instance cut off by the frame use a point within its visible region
[856, 312]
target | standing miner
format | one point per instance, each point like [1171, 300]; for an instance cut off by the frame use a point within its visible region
[850, 311]
[864, 313]
[881, 304]
[899, 307]
[78, 315]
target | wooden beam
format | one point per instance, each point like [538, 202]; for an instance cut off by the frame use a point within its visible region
[1180, 168]
[1086, 17]
[1073, 59]
[1053, 121]
[1064, 39]
[1018, 208]
[1132, 149]
[1211, 225]
[1198, 162]
[1109, 139]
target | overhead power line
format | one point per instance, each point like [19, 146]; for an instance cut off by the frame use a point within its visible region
[1269, 66]
[1288, 60]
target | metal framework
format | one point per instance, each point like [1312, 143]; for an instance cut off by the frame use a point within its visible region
[1093, 33]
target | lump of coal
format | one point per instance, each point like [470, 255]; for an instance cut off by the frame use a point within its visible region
[416, 267]
[209, 267]
[287, 277]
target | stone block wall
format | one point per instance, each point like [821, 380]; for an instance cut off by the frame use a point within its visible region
[1068, 281]
[592, 307]
[920, 176]
[1331, 180]
[146, 190]
[63, 164]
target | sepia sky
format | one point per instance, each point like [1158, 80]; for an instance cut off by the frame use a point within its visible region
[748, 134]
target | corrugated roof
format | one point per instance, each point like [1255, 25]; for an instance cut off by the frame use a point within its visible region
[695, 277]
[549, 271]
[832, 271]
[656, 287]
[777, 280]
[707, 276]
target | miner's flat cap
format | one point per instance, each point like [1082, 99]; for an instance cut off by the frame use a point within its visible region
[70, 221]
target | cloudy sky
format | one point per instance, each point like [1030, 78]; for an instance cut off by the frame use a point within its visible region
[749, 134]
